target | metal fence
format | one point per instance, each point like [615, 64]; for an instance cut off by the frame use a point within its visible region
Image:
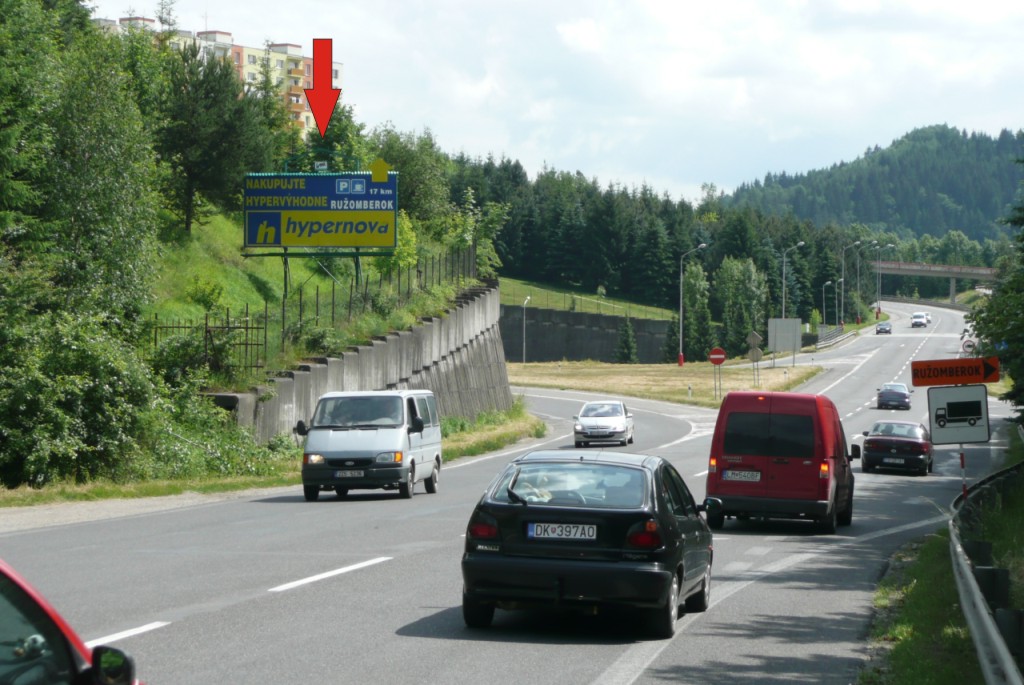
[248, 340]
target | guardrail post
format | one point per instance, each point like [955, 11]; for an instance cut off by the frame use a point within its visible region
[978, 551]
[1009, 622]
[994, 584]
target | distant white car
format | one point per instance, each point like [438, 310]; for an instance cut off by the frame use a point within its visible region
[918, 320]
[603, 421]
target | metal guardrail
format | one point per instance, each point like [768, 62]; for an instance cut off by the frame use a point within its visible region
[997, 663]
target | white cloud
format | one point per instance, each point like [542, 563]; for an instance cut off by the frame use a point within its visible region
[669, 93]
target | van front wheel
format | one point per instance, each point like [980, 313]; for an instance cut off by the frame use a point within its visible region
[311, 492]
[431, 483]
[407, 488]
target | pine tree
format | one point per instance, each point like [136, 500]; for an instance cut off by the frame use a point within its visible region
[670, 352]
[626, 352]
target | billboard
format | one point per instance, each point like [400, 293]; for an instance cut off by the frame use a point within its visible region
[347, 210]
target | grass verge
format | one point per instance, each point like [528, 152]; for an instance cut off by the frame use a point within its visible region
[919, 633]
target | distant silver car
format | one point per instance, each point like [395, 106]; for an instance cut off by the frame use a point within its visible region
[603, 421]
[918, 320]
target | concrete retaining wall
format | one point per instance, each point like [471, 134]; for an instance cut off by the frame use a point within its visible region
[553, 335]
[460, 357]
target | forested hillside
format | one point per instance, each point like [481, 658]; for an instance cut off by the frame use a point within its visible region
[929, 182]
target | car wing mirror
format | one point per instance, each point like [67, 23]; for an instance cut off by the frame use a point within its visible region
[854, 451]
[711, 505]
[417, 425]
[301, 428]
[111, 666]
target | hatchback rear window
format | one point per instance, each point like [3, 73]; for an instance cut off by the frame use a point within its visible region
[574, 484]
[769, 435]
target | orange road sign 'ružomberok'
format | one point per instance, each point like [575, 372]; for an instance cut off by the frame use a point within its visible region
[955, 371]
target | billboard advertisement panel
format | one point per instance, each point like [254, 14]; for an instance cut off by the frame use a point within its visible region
[348, 210]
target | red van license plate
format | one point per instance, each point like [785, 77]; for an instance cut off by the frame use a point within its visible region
[748, 476]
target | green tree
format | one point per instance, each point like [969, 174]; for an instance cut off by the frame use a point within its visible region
[213, 135]
[670, 350]
[626, 352]
[997, 322]
[28, 78]
[422, 181]
[744, 297]
[698, 333]
[100, 208]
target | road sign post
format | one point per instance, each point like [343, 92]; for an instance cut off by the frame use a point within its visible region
[717, 356]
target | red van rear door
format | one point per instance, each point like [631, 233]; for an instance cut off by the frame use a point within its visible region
[793, 448]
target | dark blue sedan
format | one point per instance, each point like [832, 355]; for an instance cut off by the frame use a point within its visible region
[894, 395]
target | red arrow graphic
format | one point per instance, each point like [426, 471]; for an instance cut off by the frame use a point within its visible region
[322, 96]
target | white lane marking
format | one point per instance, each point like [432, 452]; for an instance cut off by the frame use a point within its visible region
[851, 372]
[637, 658]
[481, 459]
[328, 574]
[126, 633]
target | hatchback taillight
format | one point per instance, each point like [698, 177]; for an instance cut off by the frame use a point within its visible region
[483, 527]
[646, 535]
[823, 470]
[713, 465]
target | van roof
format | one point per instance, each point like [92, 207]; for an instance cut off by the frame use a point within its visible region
[738, 399]
[375, 393]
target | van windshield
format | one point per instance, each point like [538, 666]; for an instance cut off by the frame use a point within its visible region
[769, 435]
[359, 412]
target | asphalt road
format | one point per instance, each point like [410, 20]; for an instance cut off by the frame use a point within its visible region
[264, 587]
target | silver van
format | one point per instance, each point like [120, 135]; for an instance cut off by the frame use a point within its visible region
[387, 439]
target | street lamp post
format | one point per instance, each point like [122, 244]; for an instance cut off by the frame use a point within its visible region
[841, 280]
[871, 244]
[878, 277]
[835, 303]
[524, 327]
[800, 244]
[824, 305]
[682, 310]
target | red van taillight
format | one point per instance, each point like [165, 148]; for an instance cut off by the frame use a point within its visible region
[646, 535]
[483, 527]
[823, 470]
[713, 465]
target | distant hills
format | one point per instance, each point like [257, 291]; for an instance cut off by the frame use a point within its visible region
[930, 181]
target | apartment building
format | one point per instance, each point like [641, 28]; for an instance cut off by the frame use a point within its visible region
[290, 70]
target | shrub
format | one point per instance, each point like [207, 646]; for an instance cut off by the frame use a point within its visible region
[78, 393]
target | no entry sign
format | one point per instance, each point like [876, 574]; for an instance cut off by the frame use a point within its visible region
[716, 356]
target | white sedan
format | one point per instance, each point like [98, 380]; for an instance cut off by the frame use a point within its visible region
[603, 421]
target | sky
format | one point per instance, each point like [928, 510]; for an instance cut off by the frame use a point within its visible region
[671, 94]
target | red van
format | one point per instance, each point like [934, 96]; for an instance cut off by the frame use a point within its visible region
[781, 455]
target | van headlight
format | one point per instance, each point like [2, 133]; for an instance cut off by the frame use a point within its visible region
[312, 459]
[388, 458]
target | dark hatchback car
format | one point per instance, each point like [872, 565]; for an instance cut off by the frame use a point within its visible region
[895, 395]
[38, 646]
[579, 530]
[883, 327]
[904, 445]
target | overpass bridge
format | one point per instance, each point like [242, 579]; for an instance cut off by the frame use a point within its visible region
[950, 271]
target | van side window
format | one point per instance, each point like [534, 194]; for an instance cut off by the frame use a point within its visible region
[432, 406]
[422, 411]
[769, 435]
